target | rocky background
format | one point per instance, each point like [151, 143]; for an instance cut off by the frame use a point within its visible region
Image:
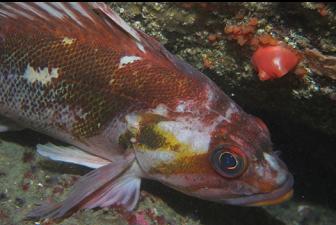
[219, 39]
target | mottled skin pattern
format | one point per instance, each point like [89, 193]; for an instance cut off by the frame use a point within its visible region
[89, 79]
[90, 89]
[106, 90]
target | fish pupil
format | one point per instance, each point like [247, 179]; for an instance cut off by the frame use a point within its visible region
[228, 161]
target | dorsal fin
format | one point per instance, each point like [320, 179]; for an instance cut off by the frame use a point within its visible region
[92, 23]
[108, 12]
[88, 22]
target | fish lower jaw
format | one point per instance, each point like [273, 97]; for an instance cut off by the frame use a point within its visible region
[281, 194]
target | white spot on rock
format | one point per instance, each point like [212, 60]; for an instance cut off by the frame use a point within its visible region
[40, 75]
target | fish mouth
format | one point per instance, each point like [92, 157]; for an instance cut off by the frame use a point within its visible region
[281, 194]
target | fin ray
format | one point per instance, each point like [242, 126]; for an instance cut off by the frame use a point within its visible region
[94, 23]
[87, 22]
[71, 155]
[85, 189]
[124, 192]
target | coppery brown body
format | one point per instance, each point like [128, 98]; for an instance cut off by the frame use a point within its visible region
[77, 72]
[88, 78]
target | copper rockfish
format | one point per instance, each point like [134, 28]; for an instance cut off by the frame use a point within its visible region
[129, 109]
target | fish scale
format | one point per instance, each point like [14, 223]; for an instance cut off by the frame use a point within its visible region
[88, 79]
[78, 68]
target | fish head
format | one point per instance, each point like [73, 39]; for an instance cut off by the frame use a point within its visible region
[248, 171]
[231, 162]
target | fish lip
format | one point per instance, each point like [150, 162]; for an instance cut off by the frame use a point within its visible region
[281, 194]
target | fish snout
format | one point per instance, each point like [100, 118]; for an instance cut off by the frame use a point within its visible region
[270, 183]
[277, 182]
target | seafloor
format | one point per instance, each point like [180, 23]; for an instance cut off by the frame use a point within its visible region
[299, 108]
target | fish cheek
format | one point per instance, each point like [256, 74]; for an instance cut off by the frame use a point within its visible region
[184, 165]
[150, 138]
[187, 174]
[165, 158]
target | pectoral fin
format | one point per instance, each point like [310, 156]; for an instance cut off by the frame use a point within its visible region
[70, 154]
[114, 183]
[124, 191]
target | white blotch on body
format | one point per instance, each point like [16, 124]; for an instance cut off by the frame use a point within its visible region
[128, 60]
[181, 107]
[211, 98]
[189, 132]
[133, 121]
[68, 115]
[184, 106]
[232, 109]
[43, 76]
[68, 41]
[151, 159]
[161, 109]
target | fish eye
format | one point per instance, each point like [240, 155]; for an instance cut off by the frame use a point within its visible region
[228, 163]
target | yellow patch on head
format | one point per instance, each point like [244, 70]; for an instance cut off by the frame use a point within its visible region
[153, 138]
